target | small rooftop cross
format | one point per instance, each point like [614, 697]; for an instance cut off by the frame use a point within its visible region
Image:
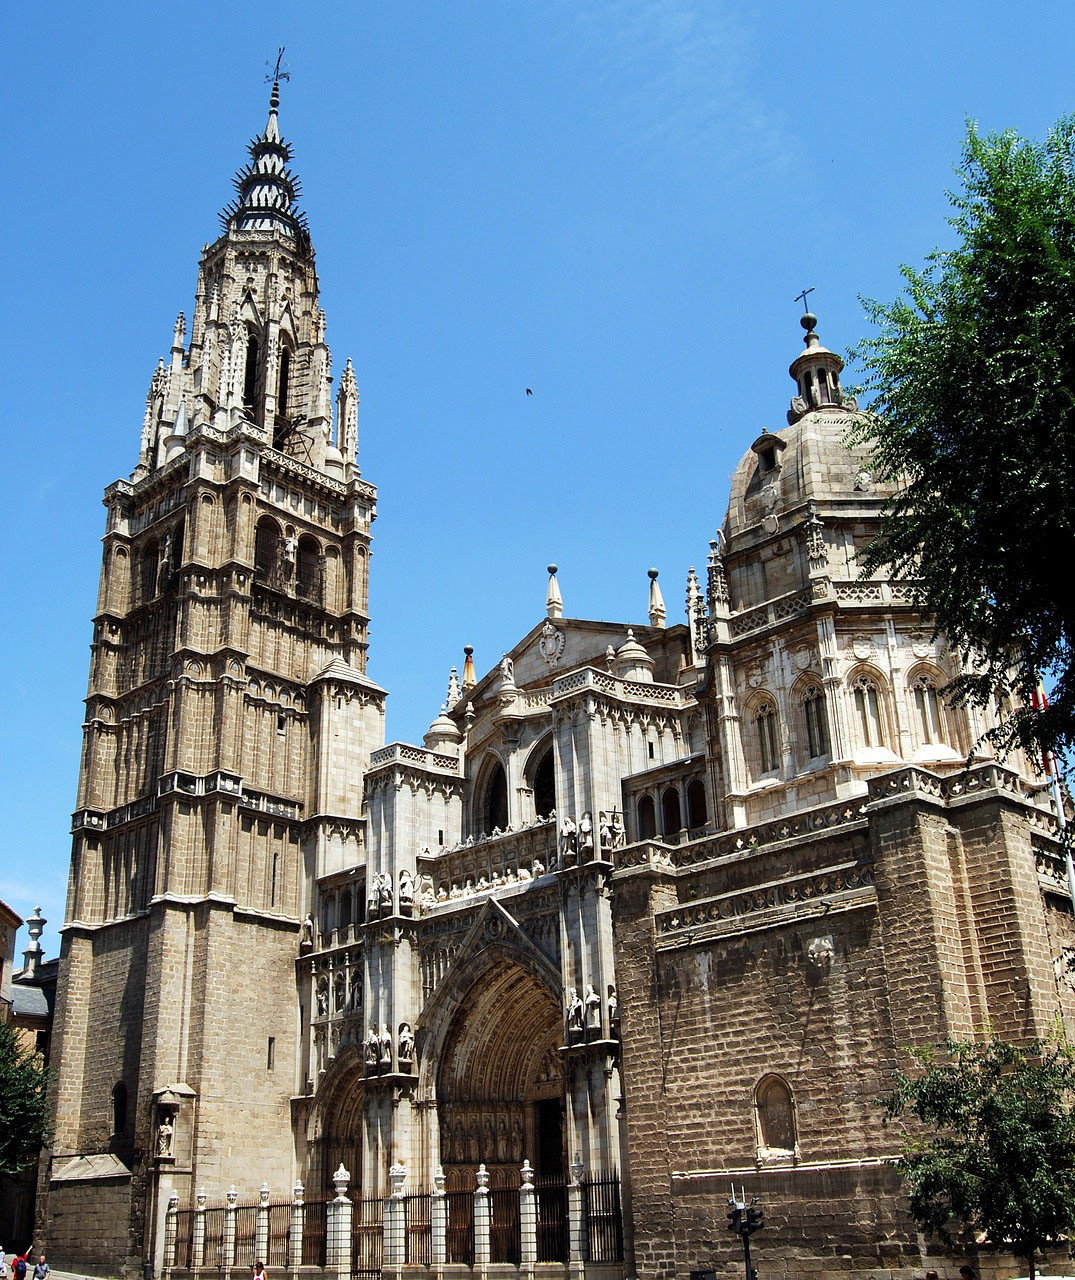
[798, 297]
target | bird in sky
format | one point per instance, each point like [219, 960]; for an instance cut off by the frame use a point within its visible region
[529, 391]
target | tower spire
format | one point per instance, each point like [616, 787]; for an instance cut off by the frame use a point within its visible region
[267, 190]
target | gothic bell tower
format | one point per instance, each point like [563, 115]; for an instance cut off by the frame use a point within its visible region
[229, 722]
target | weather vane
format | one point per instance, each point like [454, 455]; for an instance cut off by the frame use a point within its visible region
[799, 297]
[277, 75]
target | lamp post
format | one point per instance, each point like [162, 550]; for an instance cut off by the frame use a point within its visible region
[744, 1219]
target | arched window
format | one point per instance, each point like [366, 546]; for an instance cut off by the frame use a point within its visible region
[817, 721]
[868, 711]
[670, 815]
[697, 809]
[283, 383]
[345, 912]
[267, 552]
[119, 1109]
[765, 730]
[928, 710]
[147, 572]
[776, 1116]
[494, 808]
[308, 569]
[647, 818]
[250, 383]
[544, 785]
[328, 915]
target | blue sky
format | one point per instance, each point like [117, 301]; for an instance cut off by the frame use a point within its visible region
[613, 202]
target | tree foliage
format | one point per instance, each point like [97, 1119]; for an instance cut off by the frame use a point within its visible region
[971, 376]
[994, 1149]
[24, 1114]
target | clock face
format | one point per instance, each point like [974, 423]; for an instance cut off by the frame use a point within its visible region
[294, 437]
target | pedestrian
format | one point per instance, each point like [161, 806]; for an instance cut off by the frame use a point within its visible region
[19, 1265]
[41, 1268]
[967, 1273]
[4, 1272]
[259, 1271]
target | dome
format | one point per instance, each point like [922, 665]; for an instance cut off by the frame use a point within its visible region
[632, 662]
[443, 733]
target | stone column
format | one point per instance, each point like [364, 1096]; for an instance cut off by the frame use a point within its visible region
[228, 1243]
[576, 1221]
[298, 1226]
[482, 1208]
[527, 1220]
[171, 1232]
[438, 1222]
[338, 1253]
[394, 1224]
[261, 1226]
[197, 1252]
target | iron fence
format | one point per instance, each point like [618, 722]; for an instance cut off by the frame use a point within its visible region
[459, 1241]
[603, 1220]
[551, 1221]
[279, 1234]
[419, 1245]
[213, 1254]
[184, 1238]
[504, 1240]
[367, 1238]
[246, 1227]
[314, 1233]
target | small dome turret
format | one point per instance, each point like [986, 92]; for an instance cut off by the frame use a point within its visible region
[817, 375]
[632, 662]
[444, 734]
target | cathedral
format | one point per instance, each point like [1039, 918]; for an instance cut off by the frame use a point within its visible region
[653, 909]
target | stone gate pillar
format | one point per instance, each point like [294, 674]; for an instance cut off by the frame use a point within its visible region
[228, 1242]
[338, 1253]
[298, 1226]
[527, 1220]
[482, 1208]
[197, 1251]
[438, 1222]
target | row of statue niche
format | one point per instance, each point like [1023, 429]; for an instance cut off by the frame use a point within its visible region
[477, 1138]
[379, 896]
[510, 875]
[584, 1014]
[341, 1001]
[577, 840]
[378, 1048]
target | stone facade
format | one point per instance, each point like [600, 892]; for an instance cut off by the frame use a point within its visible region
[661, 903]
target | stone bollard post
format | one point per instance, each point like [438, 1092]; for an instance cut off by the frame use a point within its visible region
[339, 1227]
[298, 1226]
[197, 1248]
[481, 1218]
[261, 1226]
[527, 1219]
[438, 1221]
[171, 1232]
[395, 1224]
[576, 1220]
[227, 1244]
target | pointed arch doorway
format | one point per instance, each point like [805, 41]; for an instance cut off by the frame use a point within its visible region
[499, 1081]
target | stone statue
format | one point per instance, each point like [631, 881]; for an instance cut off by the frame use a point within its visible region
[339, 992]
[322, 1000]
[592, 1002]
[406, 888]
[605, 835]
[539, 868]
[307, 938]
[384, 892]
[406, 1044]
[586, 835]
[429, 896]
[619, 833]
[575, 1014]
[507, 670]
[568, 837]
[384, 1058]
[372, 1046]
[290, 548]
[165, 1134]
[613, 1013]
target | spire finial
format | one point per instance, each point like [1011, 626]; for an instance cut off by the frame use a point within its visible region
[275, 77]
[657, 611]
[470, 679]
[554, 601]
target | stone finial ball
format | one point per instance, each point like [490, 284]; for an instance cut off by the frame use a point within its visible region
[809, 321]
[552, 568]
[468, 649]
[653, 574]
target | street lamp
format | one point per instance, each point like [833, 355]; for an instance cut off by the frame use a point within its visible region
[744, 1219]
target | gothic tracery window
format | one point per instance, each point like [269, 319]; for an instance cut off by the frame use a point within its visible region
[817, 721]
[929, 713]
[767, 738]
[267, 551]
[868, 711]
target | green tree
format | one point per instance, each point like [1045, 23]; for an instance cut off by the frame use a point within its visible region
[971, 380]
[24, 1113]
[994, 1147]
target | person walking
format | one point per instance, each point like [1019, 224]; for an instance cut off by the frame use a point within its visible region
[41, 1268]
